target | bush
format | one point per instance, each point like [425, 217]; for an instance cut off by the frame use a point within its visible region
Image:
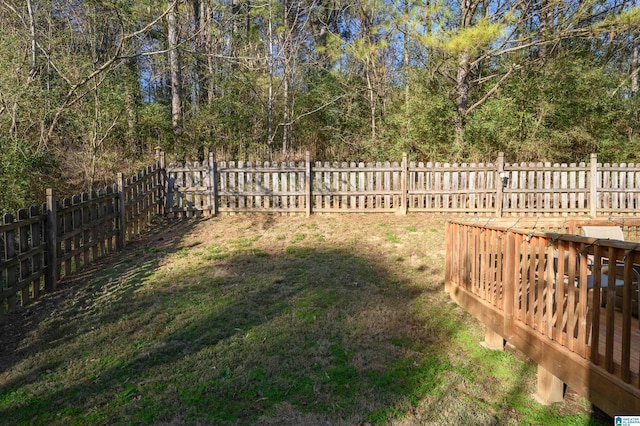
[24, 175]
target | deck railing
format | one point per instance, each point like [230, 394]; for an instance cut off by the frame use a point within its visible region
[539, 288]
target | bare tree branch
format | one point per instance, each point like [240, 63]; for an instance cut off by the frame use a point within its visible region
[69, 98]
[493, 89]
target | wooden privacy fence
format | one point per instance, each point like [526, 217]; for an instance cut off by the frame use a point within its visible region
[43, 243]
[491, 189]
[544, 292]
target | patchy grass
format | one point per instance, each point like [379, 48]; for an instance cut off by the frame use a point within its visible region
[267, 320]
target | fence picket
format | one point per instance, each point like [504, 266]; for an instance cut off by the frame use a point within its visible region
[10, 254]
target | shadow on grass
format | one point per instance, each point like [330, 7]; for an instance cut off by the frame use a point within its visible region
[65, 314]
[312, 335]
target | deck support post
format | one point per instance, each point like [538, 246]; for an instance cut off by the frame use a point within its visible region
[550, 388]
[493, 340]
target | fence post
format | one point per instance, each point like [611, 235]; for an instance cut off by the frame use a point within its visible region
[499, 184]
[122, 212]
[403, 180]
[162, 159]
[162, 184]
[213, 184]
[216, 189]
[51, 274]
[593, 186]
[11, 277]
[309, 183]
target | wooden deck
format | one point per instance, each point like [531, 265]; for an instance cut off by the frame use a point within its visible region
[617, 345]
[511, 280]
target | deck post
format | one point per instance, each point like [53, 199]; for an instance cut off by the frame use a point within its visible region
[509, 275]
[492, 340]
[550, 388]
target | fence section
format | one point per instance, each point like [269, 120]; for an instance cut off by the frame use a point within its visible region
[189, 189]
[44, 243]
[491, 189]
[454, 188]
[142, 198]
[619, 186]
[357, 187]
[262, 187]
[87, 228]
[547, 189]
[22, 258]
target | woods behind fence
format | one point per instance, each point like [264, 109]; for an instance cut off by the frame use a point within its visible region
[43, 243]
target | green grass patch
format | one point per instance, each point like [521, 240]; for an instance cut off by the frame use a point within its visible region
[391, 237]
[244, 242]
[216, 252]
[297, 237]
[300, 252]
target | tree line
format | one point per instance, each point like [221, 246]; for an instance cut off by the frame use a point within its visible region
[89, 87]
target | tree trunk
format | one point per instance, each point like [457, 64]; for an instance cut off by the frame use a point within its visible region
[286, 57]
[270, 65]
[174, 66]
[210, 50]
[462, 102]
[634, 85]
[634, 67]
[286, 115]
[405, 66]
[467, 10]
[372, 104]
[198, 90]
[34, 47]
[132, 103]
[545, 16]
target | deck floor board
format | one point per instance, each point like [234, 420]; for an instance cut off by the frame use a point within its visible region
[617, 341]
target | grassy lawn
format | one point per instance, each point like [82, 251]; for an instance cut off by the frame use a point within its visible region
[267, 320]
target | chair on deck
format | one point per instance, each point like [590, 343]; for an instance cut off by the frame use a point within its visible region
[603, 232]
